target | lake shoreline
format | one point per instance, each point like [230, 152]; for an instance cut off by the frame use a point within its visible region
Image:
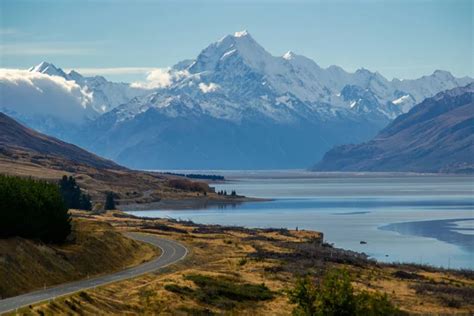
[186, 204]
[348, 209]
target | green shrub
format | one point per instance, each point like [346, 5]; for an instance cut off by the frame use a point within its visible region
[334, 295]
[186, 185]
[32, 209]
[183, 290]
[231, 289]
[304, 295]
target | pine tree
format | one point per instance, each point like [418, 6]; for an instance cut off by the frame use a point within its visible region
[72, 194]
[109, 201]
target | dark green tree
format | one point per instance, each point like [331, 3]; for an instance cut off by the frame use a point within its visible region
[85, 202]
[72, 194]
[109, 201]
[32, 209]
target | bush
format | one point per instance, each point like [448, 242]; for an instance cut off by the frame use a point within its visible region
[32, 209]
[221, 292]
[334, 295]
[186, 185]
[231, 289]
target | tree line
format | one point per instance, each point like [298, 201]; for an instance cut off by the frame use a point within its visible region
[33, 209]
[38, 209]
[74, 198]
[224, 192]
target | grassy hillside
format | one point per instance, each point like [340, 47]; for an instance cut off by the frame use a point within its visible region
[27, 153]
[228, 263]
[93, 248]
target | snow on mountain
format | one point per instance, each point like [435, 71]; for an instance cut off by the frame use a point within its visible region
[244, 77]
[436, 135]
[237, 106]
[106, 95]
[48, 69]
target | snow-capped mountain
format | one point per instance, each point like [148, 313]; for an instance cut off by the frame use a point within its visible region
[106, 95]
[236, 75]
[54, 102]
[237, 106]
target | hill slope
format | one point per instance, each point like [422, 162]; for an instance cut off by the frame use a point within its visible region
[15, 137]
[437, 135]
[27, 153]
[94, 248]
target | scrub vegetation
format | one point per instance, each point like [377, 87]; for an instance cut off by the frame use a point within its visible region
[240, 271]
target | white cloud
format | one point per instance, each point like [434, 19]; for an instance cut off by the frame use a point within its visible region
[206, 88]
[161, 78]
[31, 93]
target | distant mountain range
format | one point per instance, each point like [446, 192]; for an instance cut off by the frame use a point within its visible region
[437, 135]
[106, 95]
[234, 106]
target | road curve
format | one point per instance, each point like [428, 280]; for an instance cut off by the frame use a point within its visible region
[171, 252]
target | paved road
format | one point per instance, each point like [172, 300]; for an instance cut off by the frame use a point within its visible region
[171, 252]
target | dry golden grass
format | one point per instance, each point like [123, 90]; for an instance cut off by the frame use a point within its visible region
[228, 253]
[132, 187]
[94, 248]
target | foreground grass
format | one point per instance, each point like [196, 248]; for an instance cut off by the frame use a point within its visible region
[236, 271]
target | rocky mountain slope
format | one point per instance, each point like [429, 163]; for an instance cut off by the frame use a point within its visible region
[437, 135]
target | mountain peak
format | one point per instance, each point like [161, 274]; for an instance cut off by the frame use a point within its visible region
[289, 55]
[240, 43]
[442, 74]
[243, 33]
[48, 69]
[41, 66]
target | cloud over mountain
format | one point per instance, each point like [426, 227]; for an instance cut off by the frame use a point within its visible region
[33, 93]
[161, 78]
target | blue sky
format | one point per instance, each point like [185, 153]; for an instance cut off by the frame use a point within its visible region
[123, 39]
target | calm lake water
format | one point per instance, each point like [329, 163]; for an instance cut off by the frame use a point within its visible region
[425, 219]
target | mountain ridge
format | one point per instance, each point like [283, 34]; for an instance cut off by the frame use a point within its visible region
[295, 109]
[437, 135]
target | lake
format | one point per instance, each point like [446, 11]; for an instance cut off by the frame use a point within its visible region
[426, 219]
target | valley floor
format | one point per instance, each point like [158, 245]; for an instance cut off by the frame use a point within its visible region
[262, 262]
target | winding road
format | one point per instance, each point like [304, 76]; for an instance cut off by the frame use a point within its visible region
[171, 252]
